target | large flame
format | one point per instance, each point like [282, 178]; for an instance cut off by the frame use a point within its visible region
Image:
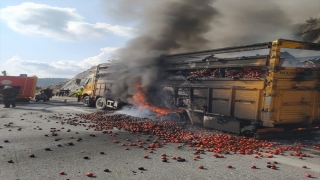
[141, 101]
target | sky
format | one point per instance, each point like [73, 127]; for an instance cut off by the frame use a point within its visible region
[61, 38]
[57, 38]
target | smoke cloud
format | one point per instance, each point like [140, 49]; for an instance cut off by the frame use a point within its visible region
[172, 26]
[169, 26]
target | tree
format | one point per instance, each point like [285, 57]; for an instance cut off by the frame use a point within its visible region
[4, 73]
[312, 20]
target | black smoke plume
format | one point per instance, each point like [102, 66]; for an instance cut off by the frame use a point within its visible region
[169, 26]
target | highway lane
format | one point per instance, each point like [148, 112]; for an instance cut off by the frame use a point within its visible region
[27, 128]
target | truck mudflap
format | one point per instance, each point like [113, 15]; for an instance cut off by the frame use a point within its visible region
[111, 104]
[216, 122]
[222, 123]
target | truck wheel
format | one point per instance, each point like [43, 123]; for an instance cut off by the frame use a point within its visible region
[88, 101]
[100, 104]
[172, 117]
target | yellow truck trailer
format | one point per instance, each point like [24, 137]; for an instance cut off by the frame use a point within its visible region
[242, 89]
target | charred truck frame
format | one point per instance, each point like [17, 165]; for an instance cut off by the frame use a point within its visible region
[236, 89]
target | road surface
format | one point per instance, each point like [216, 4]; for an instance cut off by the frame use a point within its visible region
[27, 129]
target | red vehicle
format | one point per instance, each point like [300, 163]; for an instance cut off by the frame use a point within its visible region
[25, 85]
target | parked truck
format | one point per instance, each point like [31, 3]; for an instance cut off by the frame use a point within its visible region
[24, 84]
[250, 89]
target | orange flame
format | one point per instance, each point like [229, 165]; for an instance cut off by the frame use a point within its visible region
[141, 102]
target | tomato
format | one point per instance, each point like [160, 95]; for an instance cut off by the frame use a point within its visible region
[89, 174]
[31, 155]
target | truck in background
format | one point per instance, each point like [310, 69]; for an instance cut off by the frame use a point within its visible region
[96, 87]
[251, 89]
[24, 84]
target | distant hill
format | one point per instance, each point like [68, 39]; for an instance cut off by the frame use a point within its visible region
[71, 83]
[48, 81]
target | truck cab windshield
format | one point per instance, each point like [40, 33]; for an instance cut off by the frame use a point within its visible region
[87, 81]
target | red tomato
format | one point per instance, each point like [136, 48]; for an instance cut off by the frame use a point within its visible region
[89, 174]
[31, 155]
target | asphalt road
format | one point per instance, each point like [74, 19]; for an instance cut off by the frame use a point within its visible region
[27, 128]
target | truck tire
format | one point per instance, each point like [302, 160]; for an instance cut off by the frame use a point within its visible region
[173, 116]
[88, 101]
[100, 104]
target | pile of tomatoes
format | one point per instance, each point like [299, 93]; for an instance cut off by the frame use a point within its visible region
[174, 132]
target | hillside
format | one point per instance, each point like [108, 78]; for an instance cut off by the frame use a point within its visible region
[71, 83]
[48, 81]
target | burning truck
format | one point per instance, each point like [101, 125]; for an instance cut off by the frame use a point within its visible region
[250, 89]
